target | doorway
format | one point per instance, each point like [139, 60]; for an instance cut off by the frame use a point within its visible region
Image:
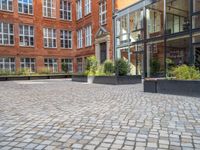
[103, 52]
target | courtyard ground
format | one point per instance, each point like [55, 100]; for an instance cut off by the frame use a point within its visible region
[60, 114]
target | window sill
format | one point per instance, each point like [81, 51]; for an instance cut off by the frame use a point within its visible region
[24, 14]
[49, 18]
[12, 45]
[6, 11]
[50, 48]
[66, 49]
[26, 46]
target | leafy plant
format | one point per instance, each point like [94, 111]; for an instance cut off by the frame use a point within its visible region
[64, 67]
[108, 67]
[25, 71]
[185, 72]
[121, 67]
[155, 66]
[5, 72]
[91, 65]
[44, 71]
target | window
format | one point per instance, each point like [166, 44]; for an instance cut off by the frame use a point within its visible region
[6, 34]
[7, 64]
[66, 39]
[51, 64]
[49, 38]
[102, 12]
[65, 10]
[6, 5]
[80, 38]
[68, 64]
[28, 63]
[80, 64]
[79, 9]
[88, 36]
[49, 8]
[195, 21]
[154, 21]
[87, 7]
[26, 35]
[25, 6]
[196, 5]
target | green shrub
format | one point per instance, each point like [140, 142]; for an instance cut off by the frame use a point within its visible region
[91, 65]
[64, 67]
[100, 71]
[155, 66]
[108, 67]
[44, 71]
[185, 72]
[5, 72]
[121, 67]
[25, 71]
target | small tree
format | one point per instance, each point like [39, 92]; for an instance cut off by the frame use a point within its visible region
[64, 67]
[121, 67]
[91, 65]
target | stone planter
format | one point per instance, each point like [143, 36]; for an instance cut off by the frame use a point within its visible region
[113, 80]
[174, 87]
[150, 86]
[79, 78]
[38, 77]
[90, 79]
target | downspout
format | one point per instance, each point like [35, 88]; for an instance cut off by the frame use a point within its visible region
[113, 27]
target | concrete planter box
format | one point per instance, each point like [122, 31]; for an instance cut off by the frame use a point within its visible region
[174, 87]
[113, 80]
[13, 78]
[150, 86]
[79, 78]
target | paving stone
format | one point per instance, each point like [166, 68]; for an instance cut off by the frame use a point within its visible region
[60, 114]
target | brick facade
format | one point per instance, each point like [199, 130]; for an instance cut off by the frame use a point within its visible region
[39, 22]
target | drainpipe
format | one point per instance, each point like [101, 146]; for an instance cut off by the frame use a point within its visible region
[113, 27]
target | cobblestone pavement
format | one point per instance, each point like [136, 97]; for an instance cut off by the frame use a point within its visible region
[59, 114]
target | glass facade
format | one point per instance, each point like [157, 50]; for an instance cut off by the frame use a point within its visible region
[156, 35]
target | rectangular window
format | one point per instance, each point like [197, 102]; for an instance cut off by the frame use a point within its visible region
[196, 22]
[51, 64]
[88, 36]
[102, 12]
[66, 39]
[26, 35]
[28, 63]
[6, 5]
[25, 6]
[67, 65]
[7, 64]
[49, 8]
[65, 10]
[80, 65]
[87, 7]
[80, 38]
[6, 34]
[196, 5]
[79, 9]
[49, 38]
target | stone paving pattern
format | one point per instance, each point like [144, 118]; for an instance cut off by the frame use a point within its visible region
[59, 114]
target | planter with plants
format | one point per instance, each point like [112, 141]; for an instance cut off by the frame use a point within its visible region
[185, 81]
[108, 73]
[25, 74]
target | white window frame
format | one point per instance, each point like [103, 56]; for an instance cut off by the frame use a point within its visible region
[7, 6]
[29, 4]
[80, 38]
[8, 33]
[23, 35]
[79, 11]
[10, 63]
[49, 34]
[103, 12]
[69, 63]
[28, 65]
[54, 63]
[66, 37]
[87, 7]
[80, 64]
[66, 13]
[52, 8]
[88, 36]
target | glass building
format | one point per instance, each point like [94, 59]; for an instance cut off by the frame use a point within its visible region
[151, 34]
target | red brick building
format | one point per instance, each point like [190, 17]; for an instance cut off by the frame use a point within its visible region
[38, 34]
